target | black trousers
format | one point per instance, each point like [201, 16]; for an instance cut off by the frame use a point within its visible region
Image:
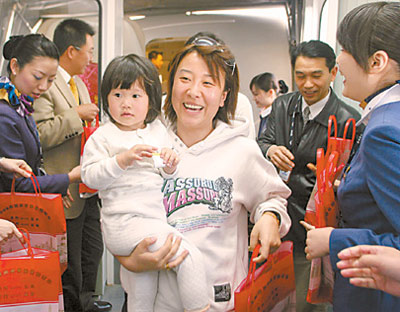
[85, 248]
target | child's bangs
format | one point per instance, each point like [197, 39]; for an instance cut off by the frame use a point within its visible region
[125, 76]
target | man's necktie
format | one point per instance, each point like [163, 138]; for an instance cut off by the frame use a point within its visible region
[306, 115]
[74, 90]
[263, 125]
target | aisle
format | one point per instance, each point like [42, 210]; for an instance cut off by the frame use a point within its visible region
[115, 295]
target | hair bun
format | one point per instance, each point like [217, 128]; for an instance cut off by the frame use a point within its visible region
[283, 88]
[10, 45]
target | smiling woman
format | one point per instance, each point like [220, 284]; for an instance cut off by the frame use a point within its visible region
[210, 195]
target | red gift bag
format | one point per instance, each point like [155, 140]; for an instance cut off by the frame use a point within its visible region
[30, 280]
[272, 286]
[322, 209]
[41, 214]
[88, 130]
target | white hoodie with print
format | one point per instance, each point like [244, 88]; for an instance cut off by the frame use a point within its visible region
[219, 180]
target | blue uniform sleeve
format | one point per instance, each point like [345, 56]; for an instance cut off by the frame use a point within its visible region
[382, 149]
[343, 238]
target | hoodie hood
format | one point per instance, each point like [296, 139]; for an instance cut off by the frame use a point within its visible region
[223, 132]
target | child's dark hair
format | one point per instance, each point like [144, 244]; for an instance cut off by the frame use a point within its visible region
[25, 48]
[125, 70]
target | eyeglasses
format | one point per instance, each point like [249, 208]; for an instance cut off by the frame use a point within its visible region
[90, 52]
[210, 42]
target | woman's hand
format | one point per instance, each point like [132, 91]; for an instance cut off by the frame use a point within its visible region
[372, 267]
[67, 200]
[18, 166]
[317, 242]
[265, 232]
[7, 230]
[142, 260]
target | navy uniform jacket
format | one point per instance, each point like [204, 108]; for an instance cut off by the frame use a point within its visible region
[18, 139]
[369, 200]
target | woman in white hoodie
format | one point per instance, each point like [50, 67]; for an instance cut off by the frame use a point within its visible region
[222, 176]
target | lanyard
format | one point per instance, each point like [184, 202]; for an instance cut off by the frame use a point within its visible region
[32, 127]
[292, 123]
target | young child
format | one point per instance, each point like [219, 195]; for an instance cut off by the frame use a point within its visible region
[118, 161]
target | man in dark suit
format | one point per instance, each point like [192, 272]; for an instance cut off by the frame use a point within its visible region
[297, 127]
[60, 113]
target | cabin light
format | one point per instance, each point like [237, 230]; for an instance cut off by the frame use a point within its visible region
[188, 13]
[37, 25]
[136, 17]
[263, 12]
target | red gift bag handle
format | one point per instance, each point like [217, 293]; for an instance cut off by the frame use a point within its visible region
[27, 241]
[331, 141]
[332, 120]
[97, 122]
[353, 128]
[85, 137]
[35, 183]
[253, 265]
[250, 275]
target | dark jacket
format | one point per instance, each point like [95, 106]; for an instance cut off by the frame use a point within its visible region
[305, 144]
[18, 139]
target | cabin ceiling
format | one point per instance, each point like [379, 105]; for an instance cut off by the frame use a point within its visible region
[142, 7]
[29, 11]
[164, 7]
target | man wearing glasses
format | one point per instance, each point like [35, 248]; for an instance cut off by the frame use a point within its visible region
[60, 114]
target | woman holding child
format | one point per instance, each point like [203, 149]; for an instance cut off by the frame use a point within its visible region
[221, 176]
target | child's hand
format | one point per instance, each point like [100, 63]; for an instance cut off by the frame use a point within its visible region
[171, 160]
[317, 243]
[127, 158]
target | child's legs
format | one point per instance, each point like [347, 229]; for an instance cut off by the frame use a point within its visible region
[191, 276]
[141, 289]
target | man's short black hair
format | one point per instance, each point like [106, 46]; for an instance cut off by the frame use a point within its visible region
[71, 32]
[314, 49]
[153, 54]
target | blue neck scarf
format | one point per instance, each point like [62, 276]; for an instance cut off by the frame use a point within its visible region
[22, 104]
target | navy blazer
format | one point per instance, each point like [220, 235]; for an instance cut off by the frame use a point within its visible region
[369, 201]
[19, 140]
